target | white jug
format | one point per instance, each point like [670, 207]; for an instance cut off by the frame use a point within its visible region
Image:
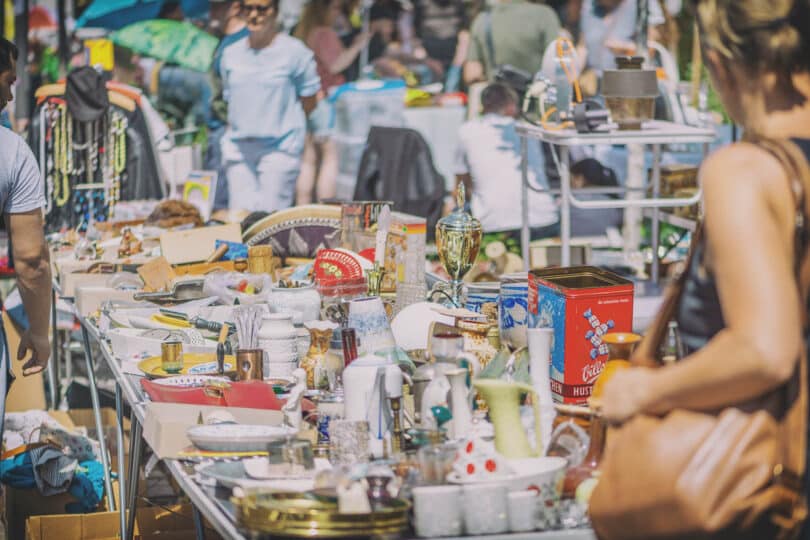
[368, 382]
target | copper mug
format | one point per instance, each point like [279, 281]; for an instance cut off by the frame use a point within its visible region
[249, 365]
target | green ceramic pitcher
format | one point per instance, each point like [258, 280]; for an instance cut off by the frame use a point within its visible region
[503, 401]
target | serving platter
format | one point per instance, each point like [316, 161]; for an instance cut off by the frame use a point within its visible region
[193, 364]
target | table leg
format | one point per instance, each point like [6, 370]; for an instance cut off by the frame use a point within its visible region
[199, 528]
[133, 473]
[565, 206]
[91, 377]
[656, 223]
[53, 365]
[122, 479]
[525, 235]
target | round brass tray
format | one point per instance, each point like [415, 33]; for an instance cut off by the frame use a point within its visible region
[315, 516]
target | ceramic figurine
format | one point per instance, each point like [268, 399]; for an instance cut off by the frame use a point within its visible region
[460, 403]
[315, 361]
[292, 408]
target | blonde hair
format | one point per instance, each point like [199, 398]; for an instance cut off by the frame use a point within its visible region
[315, 14]
[772, 35]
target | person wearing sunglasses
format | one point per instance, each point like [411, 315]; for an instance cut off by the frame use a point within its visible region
[270, 82]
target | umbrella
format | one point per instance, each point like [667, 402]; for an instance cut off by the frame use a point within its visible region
[115, 14]
[180, 43]
[40, 18]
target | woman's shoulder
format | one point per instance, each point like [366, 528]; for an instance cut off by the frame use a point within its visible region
[743, 165]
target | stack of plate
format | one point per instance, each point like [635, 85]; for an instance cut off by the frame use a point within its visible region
[311, 515]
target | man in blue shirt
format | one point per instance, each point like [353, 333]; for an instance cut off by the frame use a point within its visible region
[270, 82]
[21, 201]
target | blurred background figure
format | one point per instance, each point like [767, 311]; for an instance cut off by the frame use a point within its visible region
[319, 167]
[270, 81]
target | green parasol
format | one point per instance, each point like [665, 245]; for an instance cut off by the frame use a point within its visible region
[180, 43]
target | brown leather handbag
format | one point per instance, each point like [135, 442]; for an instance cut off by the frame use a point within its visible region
[733, 473]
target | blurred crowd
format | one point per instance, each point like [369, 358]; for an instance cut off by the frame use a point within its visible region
[264, 104]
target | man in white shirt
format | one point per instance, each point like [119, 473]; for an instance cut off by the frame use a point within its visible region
[488, 163]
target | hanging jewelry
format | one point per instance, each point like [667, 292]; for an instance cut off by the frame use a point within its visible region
[118, 149]
[64, 157]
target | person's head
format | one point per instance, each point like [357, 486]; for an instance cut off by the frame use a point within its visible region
[755, 50]
[171, 10]
[221, 13]
[317, 13]
[8, 70]
[260, 15]
[497, 98]
[384, 15]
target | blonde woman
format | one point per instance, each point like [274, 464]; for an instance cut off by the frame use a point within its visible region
[740, 316]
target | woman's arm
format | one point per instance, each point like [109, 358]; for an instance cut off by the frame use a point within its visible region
[749, 227]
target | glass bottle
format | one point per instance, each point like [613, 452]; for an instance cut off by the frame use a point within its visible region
[673, 349]
[585, 470]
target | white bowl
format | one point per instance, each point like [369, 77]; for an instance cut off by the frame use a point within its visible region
[530, 473]
[412, 325]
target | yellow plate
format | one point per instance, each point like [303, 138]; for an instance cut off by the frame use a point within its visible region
[193, 364]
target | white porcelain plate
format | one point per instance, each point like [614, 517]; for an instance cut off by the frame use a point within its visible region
[190, 381]
[236, 437]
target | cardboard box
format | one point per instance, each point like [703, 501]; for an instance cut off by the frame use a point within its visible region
[196, 245]
[174, 523]
[165, 424]
[27, 393]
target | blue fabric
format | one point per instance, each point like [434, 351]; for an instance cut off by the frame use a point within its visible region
[263, 88]
[235, 250]
[18, 472]
[87, 487]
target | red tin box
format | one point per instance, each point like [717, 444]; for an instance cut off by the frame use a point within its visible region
[582, 304]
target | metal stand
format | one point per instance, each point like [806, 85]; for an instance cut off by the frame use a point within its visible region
[199, 528]
[655, 133]
[122, 479]
[91, 377]
[135, 447]
[53, 365]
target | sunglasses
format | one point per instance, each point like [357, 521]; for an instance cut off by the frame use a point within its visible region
[247, 9]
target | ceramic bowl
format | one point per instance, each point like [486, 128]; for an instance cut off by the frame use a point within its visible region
[237, 437]
[530, 473]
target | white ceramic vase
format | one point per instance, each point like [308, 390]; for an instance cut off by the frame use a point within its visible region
[540, 341]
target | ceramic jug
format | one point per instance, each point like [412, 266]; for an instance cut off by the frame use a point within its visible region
[368, 382]
[503, 401]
